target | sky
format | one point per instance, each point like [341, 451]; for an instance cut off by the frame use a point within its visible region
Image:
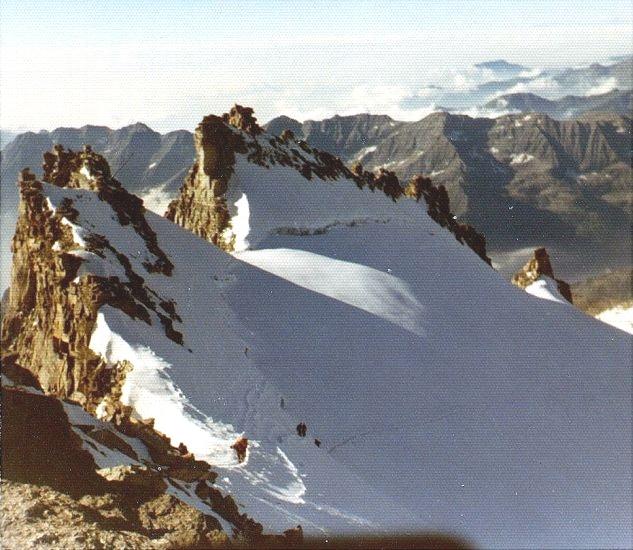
[168, 63]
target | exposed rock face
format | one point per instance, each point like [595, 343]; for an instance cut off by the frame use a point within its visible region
[47, 327]
[42, 446]
[438, 207]
[187, 527]
[38, 445]
[540, 265]
[68, 497]
[52, 307]
[202, 208]
[242, 118]
[48, 320]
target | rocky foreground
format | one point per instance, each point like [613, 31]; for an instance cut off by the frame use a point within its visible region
[51, 497]
[55, 495]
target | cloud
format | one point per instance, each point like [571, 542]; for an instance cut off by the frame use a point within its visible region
[398, 102]
[542, 85]
[606, 85]
[469, 79]
[481, 112]
[530, 73]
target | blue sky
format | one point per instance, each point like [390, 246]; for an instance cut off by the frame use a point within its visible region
[167, 63]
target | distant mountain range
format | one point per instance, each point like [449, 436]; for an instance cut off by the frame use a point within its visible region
[523, 180]
[620, 73]
[568, 107]
[485, 82]
[141, 157]
[6, 137]
[502, 66]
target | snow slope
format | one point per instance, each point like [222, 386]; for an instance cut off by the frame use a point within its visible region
[619, 317]
[546, 288]
[444, 398]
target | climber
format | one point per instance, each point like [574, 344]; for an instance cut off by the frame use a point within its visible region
[240, 447]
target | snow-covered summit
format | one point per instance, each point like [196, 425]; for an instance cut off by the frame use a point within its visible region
[435, 396]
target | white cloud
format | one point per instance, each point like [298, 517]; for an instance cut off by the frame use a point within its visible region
[543, 85]
[480, 112]
[606, 85]
[169, 84]
[380, 99]
[530, 73]
[468, 79]
[428, 92]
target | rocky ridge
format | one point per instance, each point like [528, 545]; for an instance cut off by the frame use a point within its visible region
[52, 306]
[47, 327]
[202, 206]
[523, 180]
[120, 482]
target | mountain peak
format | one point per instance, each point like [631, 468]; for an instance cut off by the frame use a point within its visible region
[501, 65]
[232, 146]
[344, 310]
[242, 118]
[48, 214]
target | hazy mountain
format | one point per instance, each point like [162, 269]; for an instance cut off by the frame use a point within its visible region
[568, 107]
[149, 163]
[339, 336]
[553, 85]
[620, 75]
[500, 66]
[137, 154]
[6, 137]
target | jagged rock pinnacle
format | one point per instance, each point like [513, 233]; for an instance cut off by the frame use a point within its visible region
[540, 265]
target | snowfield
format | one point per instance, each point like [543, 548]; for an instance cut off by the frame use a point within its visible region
[546, 288]
[443, 398]
[619, 317]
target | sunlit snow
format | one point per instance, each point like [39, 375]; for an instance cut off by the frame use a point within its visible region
[619, 317]
[443, 398]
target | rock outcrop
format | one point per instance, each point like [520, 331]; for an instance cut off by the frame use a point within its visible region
[202, 207]
[48, 443]
[52, 307]
[49, 320]
[540, 266]
[49, 474]
[606, 291]
[39, 446]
